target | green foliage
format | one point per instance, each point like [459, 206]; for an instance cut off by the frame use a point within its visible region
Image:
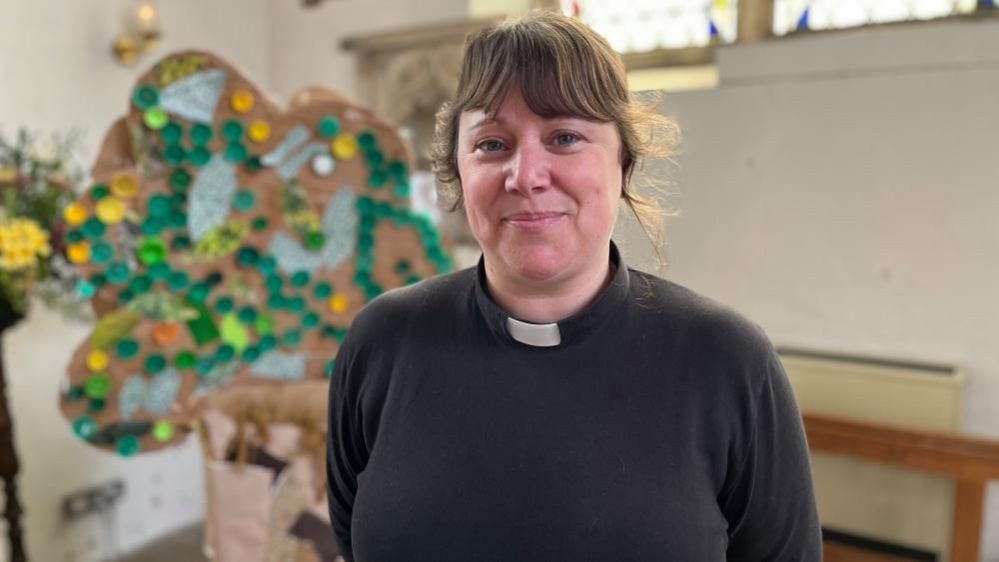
[38, 179]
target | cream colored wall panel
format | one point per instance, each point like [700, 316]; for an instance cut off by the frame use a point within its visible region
[905, 507]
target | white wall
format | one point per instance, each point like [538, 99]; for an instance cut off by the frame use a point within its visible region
[56, 73]
[306, 43]
[840, 190]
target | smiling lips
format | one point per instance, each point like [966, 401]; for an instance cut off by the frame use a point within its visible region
[533, 220]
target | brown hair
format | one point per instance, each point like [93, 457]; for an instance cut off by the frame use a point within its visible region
[562, 68]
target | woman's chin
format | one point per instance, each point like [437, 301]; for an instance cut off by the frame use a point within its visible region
[538, 265]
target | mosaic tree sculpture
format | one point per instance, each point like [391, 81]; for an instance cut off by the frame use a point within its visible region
[227, 242]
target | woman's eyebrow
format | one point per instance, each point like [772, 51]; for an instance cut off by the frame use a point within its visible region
[487, 121]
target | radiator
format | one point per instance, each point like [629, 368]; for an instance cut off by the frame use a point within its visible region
[898, 506]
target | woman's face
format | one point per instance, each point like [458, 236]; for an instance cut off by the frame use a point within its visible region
[541, 194]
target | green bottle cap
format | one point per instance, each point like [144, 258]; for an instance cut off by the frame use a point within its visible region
[159, 271]
[244, 200]
[199, 292]
[118, 272]
[85, 289]
[201, 134]
[367, 141]
[128, 445]
[84, 427]
[127, 348]
[251, 354]
[97, 405]
[163, 431]
[300, 278]
[323, 290]
[97, 386]
[291, 338]
[328, 127]
[174, 155]
[181, 242]
[377, 179]
[224, 305]
[177, 281]
[259, 223]
[199, 156]
[155, 363]
[184, 360]
[93, 228]
[180, 179]
[264, 324]
[75, 393]
[232, 130]
[145, 97]
[152, 251]
[225, 353]
[310, 320]
[153, 226]
[247, 315]
[235, 152]
[140, 284]
[101, 252]
[315, 240]
[247, 256]
[171, 133]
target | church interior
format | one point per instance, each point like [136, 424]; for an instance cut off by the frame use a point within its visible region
[179, 263]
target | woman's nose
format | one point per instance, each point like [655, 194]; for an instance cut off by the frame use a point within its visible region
[529, 169]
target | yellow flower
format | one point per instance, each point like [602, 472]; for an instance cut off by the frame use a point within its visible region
[8, 174]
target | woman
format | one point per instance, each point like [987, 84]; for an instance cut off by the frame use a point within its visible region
[552, 404]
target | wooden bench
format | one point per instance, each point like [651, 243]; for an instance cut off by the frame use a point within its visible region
[970, 461]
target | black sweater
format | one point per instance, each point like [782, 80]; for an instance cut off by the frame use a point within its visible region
[662, 428]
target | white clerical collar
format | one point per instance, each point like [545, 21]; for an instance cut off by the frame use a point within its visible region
[537, 335]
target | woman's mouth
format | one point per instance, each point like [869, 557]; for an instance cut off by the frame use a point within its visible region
[532, 220]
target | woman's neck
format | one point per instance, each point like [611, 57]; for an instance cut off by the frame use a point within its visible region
[544, 302]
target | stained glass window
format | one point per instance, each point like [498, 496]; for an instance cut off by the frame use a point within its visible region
[794, 15]
[644, 25]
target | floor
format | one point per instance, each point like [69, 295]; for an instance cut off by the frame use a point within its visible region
[181, 546]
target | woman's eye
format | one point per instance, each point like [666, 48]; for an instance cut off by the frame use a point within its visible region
[566, 139]
[490, 145]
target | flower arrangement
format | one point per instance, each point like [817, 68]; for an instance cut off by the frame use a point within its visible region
[38, 180]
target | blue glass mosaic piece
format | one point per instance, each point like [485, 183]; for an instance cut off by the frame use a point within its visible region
[298, 136]
[215, 378]
[290, 167]
[131, 396]
[277, 365]
[195, 96]
[339, 225]
[211, 197]
[291, 256]
[162, 391]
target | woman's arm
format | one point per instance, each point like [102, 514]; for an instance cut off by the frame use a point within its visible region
[769, 501]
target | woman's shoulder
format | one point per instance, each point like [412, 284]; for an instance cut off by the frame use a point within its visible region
[419, 302]
[702, 320]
